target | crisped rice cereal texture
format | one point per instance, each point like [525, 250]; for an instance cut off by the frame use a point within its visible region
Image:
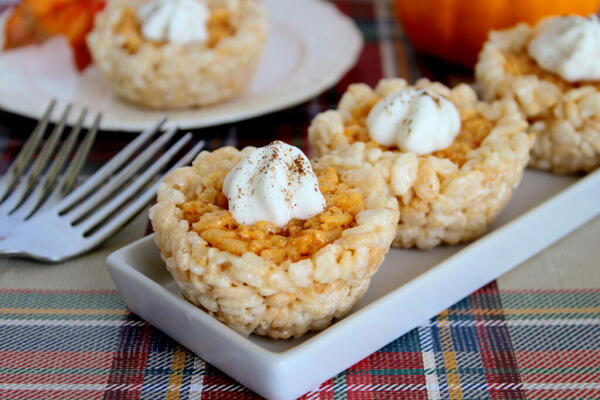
[253, 295]
[175, 75]
[566, 122]
[440, 200]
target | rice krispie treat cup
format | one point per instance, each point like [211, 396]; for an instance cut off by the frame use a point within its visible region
[275, 281]
[448, 196]
[564, 115]
[162, 74]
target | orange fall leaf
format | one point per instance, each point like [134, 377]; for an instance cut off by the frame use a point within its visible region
[34, 21]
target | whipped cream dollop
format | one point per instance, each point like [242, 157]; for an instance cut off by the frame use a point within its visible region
[275, 183]
[177, 21]
[414, 120]
[569, 47]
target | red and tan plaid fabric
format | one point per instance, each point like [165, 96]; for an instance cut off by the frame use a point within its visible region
[494, 344]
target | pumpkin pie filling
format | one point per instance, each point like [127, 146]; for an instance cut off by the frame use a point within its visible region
[474, 129]
[522, 64]
[219, 27]
[208, 216]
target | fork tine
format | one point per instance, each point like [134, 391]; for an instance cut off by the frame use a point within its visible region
[23, 159]
[23, 189]
[69, 178]
[80, 157]
[61, 158]
[108, 168]
[42, 159]
[134, 208]
[116, 181]
[44, 188]
[117, 202]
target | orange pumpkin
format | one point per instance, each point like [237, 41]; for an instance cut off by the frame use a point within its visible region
[455, 30]
[33, 21]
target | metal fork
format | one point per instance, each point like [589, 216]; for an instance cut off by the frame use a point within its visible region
[25, 188]
[63, 227]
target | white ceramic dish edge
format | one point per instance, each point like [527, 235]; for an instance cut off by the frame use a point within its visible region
[276, 375]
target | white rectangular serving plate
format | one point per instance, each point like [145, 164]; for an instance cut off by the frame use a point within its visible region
[410, 287]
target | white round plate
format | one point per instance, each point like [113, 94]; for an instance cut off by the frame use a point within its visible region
[311, 46]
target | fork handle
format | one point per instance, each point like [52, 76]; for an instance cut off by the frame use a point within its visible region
[9, 253]
[8, 249]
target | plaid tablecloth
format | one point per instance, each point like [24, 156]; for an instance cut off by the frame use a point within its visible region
[65, 333]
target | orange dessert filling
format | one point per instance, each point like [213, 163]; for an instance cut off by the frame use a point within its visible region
[208, 215]
[474, 129]
[219, 27]
[520, 64]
